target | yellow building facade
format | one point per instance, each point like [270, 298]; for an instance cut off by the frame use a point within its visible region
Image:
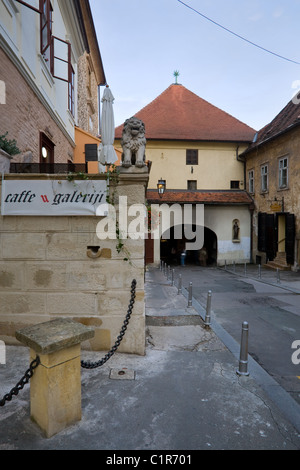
[217, 168]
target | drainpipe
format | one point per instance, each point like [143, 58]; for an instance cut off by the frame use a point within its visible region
[243, 160]
[251, 208]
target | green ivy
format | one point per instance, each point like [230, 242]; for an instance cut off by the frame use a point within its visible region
[112, 178]
[80, 175]
[9, 146]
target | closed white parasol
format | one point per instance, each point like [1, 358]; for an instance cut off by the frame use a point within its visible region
[106, 151]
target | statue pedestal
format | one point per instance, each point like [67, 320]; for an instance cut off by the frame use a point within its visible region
[5, 159]
[133, 169]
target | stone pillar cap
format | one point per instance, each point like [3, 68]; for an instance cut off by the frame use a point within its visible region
[54, 335]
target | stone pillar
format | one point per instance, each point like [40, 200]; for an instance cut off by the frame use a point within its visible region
[55, 388]
[5, 159]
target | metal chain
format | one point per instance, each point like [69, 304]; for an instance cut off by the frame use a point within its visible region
[24, 380]
[87, 365]
[93, 365]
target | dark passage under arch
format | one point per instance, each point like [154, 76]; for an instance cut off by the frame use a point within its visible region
[172, 248]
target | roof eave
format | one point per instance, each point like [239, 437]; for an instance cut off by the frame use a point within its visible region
[91, 38]
[270, 139]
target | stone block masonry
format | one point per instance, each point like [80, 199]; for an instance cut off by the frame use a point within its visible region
[56, 266]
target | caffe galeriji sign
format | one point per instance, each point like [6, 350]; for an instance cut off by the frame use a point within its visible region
[53, 197]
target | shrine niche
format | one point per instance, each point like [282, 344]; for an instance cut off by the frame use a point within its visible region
[236, 231]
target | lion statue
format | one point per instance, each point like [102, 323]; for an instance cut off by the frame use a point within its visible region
[133, 143]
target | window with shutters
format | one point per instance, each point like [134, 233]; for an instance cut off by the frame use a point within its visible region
[56, 52]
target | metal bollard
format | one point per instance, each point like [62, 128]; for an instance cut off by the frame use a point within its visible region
[243, 362]
[179, 284]
[168, 275]
[173, 271]
[245, 270]
[278, 275]
[259, 271]
[165, 269]
[208, 309]
[190, 301]
[225, 265]
[160, 267]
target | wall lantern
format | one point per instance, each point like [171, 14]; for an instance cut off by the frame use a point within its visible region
[161, 186]
[44, 152]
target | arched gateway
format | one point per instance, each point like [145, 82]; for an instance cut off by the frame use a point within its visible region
[171, 248]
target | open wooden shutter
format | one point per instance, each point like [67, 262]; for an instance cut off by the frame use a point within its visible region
[61, 59]
[33, 5]
[261, 239]
[271, 237]
[267, 236]
[289, 237]
[61, 67]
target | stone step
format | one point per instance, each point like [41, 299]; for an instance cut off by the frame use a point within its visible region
[277, 265]
[279, 262]
[177, 320]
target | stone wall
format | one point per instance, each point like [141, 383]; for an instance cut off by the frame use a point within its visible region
[48, 271]
[88, 118]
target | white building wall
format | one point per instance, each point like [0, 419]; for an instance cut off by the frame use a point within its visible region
[20, 38]
[220, 220]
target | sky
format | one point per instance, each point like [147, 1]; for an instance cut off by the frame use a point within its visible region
[142, 43]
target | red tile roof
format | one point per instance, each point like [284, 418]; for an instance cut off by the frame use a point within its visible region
[179, 114]
[217, 197]
[288, 118]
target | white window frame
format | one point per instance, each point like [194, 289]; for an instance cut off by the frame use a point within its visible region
[264, 173]
[283, 172]
[251, 181]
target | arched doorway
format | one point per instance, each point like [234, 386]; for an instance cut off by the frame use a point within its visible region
[171, 249]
